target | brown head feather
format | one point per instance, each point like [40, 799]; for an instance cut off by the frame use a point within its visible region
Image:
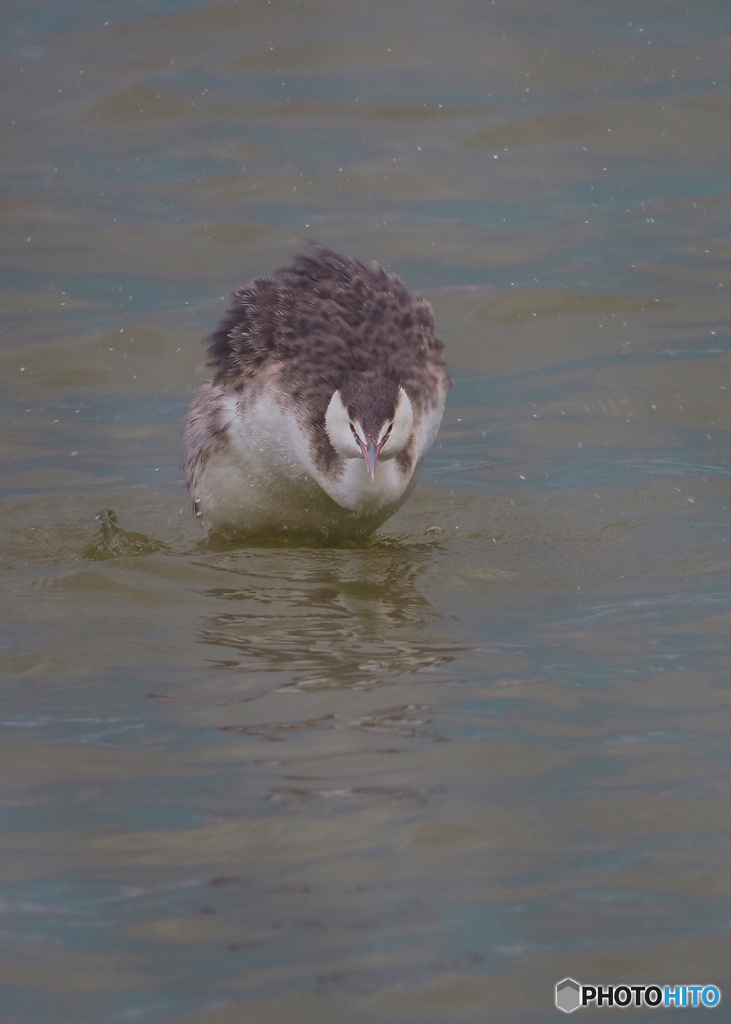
[324, 321]
[370, 398]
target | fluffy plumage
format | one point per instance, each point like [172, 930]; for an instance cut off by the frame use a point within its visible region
[328, 389]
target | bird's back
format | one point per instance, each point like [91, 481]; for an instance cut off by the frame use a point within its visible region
[325, 315]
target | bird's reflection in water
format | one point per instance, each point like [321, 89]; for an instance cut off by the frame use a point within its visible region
[333, 618]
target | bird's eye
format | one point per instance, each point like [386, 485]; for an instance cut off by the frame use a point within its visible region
[353, 431]
[390, 428]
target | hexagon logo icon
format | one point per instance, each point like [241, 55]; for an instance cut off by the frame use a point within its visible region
[568, 995]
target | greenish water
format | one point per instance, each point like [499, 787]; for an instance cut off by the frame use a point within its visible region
[427, 777]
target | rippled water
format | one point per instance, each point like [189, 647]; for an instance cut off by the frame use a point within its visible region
[426, 777]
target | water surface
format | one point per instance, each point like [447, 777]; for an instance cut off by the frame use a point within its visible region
[423, 778]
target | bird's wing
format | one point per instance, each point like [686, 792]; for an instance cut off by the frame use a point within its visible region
[246, 339]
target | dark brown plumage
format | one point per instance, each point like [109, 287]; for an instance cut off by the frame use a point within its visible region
[324, 319]
[327, 327]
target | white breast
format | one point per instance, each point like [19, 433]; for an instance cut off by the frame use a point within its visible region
[265, 479]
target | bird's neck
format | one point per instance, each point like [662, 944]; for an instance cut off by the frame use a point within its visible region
[353, 488]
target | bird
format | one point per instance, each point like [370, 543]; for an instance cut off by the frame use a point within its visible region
[328, 388]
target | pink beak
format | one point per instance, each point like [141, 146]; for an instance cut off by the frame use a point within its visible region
[371, 451]
[370, 454]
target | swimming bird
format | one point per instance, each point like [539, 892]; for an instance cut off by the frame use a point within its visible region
[328, 390]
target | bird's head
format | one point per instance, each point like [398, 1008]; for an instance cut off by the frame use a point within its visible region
[369, 417]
